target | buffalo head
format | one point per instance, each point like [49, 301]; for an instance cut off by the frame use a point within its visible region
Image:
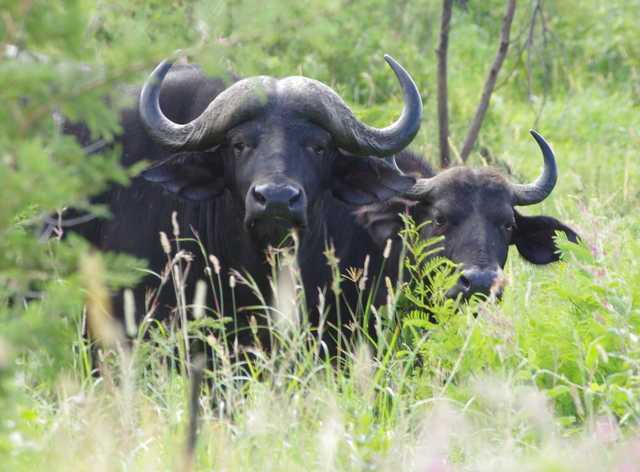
[474, 210]
[276, 145]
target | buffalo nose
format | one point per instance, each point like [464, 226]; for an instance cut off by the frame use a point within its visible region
[476, 281]
[283, 196]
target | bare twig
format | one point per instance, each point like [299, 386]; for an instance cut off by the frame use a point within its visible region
[441, 55]
[489, 84]
[532, 25]
[517, 54]
[546, 86]
[547, 30]
[527, 45]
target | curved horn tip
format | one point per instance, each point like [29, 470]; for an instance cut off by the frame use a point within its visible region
[390, 60]
[412, 110]
[161, 70]
[397, 68]
[151, 88]
[536, 135]
[151, 116]
[544, 146]
[529, 194]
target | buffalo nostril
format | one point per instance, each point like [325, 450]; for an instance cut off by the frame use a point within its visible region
[258, 195]
[295, 196]
[464, 282]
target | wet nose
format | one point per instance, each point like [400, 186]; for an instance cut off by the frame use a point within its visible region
[475, 281]
[478, 281]
[277, 197]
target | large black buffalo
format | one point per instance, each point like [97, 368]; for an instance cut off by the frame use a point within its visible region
[242, 167]
[472, 208]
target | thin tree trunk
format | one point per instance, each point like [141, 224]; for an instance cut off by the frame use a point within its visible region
[490, 83]
[441, 77]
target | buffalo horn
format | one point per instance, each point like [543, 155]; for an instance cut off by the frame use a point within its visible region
[320, 104]
[233, 106]
[305, 97]
[523, 194]
[529, 194]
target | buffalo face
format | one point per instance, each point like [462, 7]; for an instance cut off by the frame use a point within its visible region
[276, 146]
[474, 210]
[470, 208]
[279, 167]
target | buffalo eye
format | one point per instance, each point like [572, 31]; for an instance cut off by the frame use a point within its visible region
[509, 227]
[319, 149]
[439, 220]
[238, 147]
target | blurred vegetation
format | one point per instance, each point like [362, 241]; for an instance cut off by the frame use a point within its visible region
[565, 336]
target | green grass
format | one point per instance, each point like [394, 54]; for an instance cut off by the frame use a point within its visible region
[548, 379]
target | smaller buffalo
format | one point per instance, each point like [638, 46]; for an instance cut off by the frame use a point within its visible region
[472, 208]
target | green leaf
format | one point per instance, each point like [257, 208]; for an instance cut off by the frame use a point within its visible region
[557, 391]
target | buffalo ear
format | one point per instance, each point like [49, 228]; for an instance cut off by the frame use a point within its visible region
[359, 180]
[534, 235]
[192, 175]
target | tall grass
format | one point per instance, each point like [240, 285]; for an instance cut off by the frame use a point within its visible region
[548, 382]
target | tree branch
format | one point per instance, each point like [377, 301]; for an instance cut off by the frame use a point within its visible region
[489, 84]
[441, 77]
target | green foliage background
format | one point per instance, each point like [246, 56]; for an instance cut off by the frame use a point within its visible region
[569, 331]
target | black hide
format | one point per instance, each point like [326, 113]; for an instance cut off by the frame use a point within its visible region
[269, 177]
